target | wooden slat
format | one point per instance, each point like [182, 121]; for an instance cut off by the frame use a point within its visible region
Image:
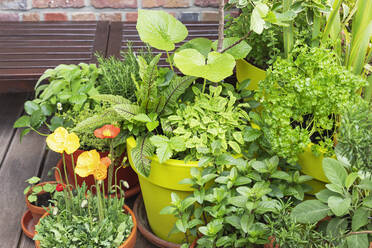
[12, 107]
[21, 162]
[28, 49]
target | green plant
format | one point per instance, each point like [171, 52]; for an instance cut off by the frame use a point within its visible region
[209, 126]
[347, 199]
[354, 139]
[117, 74]
[34, 191]
[228, 206]
[79, 227]
[69, 87]
[284, 232]
[302, 98]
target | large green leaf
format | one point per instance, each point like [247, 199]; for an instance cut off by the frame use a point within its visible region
[239, 51]
[203, 45]
[334, 171]
[310, 211]
[339, 206]
[357, 240]
[160, 29]
[360, 218]
[218, 67]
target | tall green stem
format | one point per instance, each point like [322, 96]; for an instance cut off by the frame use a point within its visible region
[316, 29]
[68, 189]
[287, 31]
[170, 61]
[205, 82]
[111, 172]
[73, 167]
[99, 198]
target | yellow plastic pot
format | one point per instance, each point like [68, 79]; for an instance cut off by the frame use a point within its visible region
[245, 70]
[156, 189]
[316, 185]
[312, 165]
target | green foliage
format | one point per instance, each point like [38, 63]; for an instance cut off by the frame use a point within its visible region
[218, 67]
[69, 87]
[287, 233]
[354, 139]
[212, 124]
[160, 29]
[303, 97]
[117, 74]
[79, 227]
[229, 207]
[33, 189]
[347, 198]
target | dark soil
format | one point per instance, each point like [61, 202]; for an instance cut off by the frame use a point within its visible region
[316, 137]
[43, 200]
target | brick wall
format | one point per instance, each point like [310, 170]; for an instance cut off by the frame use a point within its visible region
[111, 10]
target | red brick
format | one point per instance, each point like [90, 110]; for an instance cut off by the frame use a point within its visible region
[55, 17]
[83, 17]
[117, 4]
[6, 17]
[58, 3]
[165, 3]
[13, 4]
[114, 17]
[209, 16]
[207, 3]
[31, 17]
[131, 16]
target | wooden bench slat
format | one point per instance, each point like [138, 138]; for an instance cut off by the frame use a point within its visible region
[41, 50]
[43, 57]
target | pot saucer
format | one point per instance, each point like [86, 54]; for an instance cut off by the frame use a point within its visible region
[27, 224]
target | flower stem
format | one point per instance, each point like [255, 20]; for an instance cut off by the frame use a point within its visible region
[100, 207]
[170, 61]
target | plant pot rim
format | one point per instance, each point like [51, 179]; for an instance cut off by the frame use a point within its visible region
[131, 143]
[132, 235]
[32, 207]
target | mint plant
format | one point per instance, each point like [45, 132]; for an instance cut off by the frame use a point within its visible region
[347, 199]
[69, 87]
[228, 207]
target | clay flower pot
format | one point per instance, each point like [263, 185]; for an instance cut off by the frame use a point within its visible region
[36, 211]
[124, 173]
[130, 242]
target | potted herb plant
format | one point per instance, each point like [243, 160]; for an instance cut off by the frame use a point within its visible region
[39, 196]
[302, 98]
[347, 200]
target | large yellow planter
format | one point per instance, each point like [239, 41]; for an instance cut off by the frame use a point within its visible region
[245, 70]
[312, 165]
[156, 189]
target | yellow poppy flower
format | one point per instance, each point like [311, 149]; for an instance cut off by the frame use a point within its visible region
[100, 173]
[61, 141]
[87, 162]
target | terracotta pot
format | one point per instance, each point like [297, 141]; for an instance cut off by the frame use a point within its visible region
[271, 244]
[36, 211]
[130, 242]
[124, 173]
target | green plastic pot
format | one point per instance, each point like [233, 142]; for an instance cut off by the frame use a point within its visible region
[156, 190]
[316, 186]
[312, 165]
[245, 70]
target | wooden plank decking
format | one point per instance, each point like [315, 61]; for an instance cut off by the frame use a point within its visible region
[18, 162]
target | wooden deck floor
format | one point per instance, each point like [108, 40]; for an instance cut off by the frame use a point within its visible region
[18, 162]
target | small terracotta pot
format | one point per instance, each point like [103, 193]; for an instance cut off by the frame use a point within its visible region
[271, 244]
[130, 242]
[124, 173]
[36, 211]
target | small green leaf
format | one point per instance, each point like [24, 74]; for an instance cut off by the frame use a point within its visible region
[358, 240]
[31, 107]
[281, 175]
[37, 189]
[337, 226]
[160, 29]
[23, 121]
[250, 134]
[339, 206]
[26, 190]
[142, 118]
[360, 218]
[23, 133]
[50, 188]
[152, 125]
[47, 109]
[324, 194]
[235, 146]
[37, 119]
[33, 180]
[168, 210]
[350, 179]
[334, 171]
[32, 198]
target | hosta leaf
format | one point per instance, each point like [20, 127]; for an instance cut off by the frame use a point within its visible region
[218, 66]
[239, 51]
[160, 29]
